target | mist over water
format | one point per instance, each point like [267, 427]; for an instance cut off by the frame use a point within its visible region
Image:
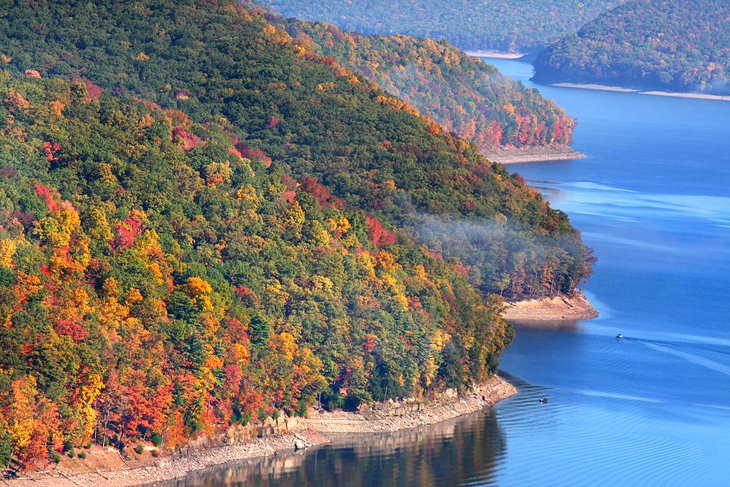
[653, 200]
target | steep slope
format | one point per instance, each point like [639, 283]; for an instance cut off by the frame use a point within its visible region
[669, 44]
[494, 24]
[228, 66]
[156, 284]
[462, 94]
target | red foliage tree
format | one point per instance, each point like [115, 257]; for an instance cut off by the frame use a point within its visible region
[321, 193]
[49, 150]
[71, 329]
[253, 153]
[47, 196]
[379, 235]
[127, 232]
[93, 91]
[185, 138]
[234, 152]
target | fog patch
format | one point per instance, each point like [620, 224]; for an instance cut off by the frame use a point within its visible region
[503, 259]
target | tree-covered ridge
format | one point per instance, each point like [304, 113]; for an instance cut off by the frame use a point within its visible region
[155, 283]
[224, 64]
[484, 24]
[679, 45]
[462, 94]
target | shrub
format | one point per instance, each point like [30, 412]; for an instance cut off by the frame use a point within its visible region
[156, 439]
[262, 414]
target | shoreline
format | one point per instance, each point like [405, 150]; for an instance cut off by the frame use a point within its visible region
[620, 89]
[316, 430]
[515, 155]
[496, 54]
[696, 96]
[595, 87]
[553, 313]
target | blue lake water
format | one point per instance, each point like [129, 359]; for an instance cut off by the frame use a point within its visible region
[653, 199]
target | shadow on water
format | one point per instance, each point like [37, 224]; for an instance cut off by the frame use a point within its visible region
[448, 453]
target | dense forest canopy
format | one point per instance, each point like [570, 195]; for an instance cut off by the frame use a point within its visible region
[462, 94]
[203, 221]
[673, 44]
[157, 282]
[227, 65]
[483, 24]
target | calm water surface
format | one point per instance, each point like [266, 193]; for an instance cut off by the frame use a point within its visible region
[653, 200]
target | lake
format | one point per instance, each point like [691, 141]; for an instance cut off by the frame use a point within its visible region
[653, 199]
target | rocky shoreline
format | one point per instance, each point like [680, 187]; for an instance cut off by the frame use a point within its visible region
[496, 54]
[107, 467]
[515, 155]
[550, 312]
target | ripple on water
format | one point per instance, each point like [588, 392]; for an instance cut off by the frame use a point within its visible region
[565, 430]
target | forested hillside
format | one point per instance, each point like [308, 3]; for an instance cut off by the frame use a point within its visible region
[673, 44]
[227, 65]
[208, 222]
[484, 24]
[462, 94]
[157, 282]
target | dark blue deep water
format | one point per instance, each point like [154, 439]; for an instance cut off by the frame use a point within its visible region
[653, 200]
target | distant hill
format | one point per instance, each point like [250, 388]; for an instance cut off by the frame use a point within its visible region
[461, 93]
[483, 24]
[681, 45]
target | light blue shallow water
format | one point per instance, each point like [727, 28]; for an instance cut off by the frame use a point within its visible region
[653, 200]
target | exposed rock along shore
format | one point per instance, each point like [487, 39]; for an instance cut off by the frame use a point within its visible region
[490, 53]
[559, 308]
[107, 467]
[514, 155]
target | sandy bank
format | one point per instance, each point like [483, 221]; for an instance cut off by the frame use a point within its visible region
[106, 467]
[674, 94]
[597, 87]
[698, 96]
[496, 54]
[514, 155]
[550, 311]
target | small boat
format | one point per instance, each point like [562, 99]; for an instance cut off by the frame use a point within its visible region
[543, 400]
[619, 336]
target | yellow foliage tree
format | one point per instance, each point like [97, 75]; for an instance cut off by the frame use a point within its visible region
[7, 250]
[24, 421]
[198, 290]
[89, 393]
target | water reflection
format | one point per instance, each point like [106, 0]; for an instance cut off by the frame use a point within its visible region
[449, 453]
[553, 325]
